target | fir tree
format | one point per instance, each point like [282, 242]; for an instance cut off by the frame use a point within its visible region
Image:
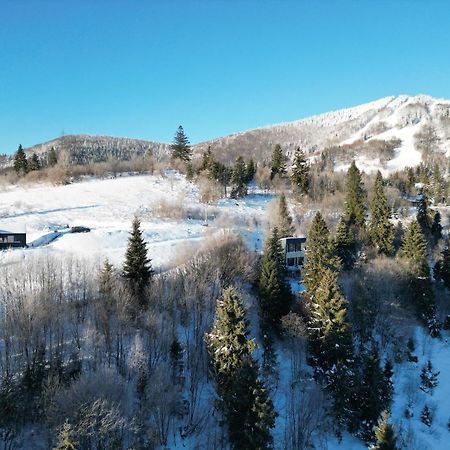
[137, 266]
[250, 170]
[436, 227]
[426, 416]
[20, 162]
[207, 160]
[428, 378]
[278, 165]
[320, 254]
[437, 184]
[414, 249]
[285, 226]
[344, 244]
[300, 178]
[52, 157]
[274, 291]
[442, 268]
[380, 229]
[385, 435]
[228, 343]
[180, 147]
[106, 278]
[423, 214]
[355, 202]
[34, 163]
[249, 411]
[388, 386]
[238, 179]
[66, 441]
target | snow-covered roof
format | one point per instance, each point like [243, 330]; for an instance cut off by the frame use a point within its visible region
[12, 228]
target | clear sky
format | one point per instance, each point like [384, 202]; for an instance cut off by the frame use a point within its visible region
[140, 68]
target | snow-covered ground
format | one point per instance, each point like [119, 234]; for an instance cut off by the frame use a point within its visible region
[107, 206]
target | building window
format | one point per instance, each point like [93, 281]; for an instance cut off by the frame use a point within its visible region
[291, 262]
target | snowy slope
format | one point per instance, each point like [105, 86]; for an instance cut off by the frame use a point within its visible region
[107, 206]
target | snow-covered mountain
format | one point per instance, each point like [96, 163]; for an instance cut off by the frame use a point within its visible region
[388, 119]
[361, 132]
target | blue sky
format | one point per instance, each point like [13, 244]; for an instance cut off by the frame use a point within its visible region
[141, 68]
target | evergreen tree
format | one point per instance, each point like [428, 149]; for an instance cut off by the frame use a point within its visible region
[423, 214]
[437, 184]
[137, 266]
[207, 160]
[371, 396]
[20, 162]
[250, 170]
[249, 411]
[228, 343]
[285, 226]
[66, 441]
[442, 268]
[428, 378]
[300, 178]
[388, 386]
[180, 147]
[414, 249]
[52, 157]
[344, 244]
[106, 278]
[436, 227]
[380, 229]
[278, 165]
[385, 435]
[426, 416]
[355, 203]
[320, 254]
[274, 291]
[34, 163]
[238, 179]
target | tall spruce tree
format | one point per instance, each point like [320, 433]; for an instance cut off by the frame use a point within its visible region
[414, 249]
[442, 268]
[423, 214]
[250, 170]
[137, 268]
[385, 435]
[278, 162]
[34, 163]
[355, 201]
[249, 410]
[52, 157]
[436, 228]
[437, 185]
[20, 162]
[238, 179]
[380, 229]
[300, 177]
[274, 292]
[344, 244]
[320, 254]
[285, 226]
[180, 147]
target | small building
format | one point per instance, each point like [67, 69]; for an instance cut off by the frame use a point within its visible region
[294, 252]
[12, 236]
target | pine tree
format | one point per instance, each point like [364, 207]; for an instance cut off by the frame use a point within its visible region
[249, 411]
[414, 249]
[436, 227]
[66, 441]
[228, 343]
[385, 435]
[137, 266]
[344, 244]
[423, 214]
[207, 160]
[238, 179]
[250, 170]
[106, 279]
[34, 163]
[380, 229]
[388, 386]
[278, 165]
[52, 157]
[320, 254]
[355, 203]
[426, 416]
[300, 178]
[20, 162]
[274, 292]
[285, 226]
[442, 268]
[180, 147]
[428, 378]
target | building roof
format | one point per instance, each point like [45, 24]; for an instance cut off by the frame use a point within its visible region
[294, 239]
[13, 228]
